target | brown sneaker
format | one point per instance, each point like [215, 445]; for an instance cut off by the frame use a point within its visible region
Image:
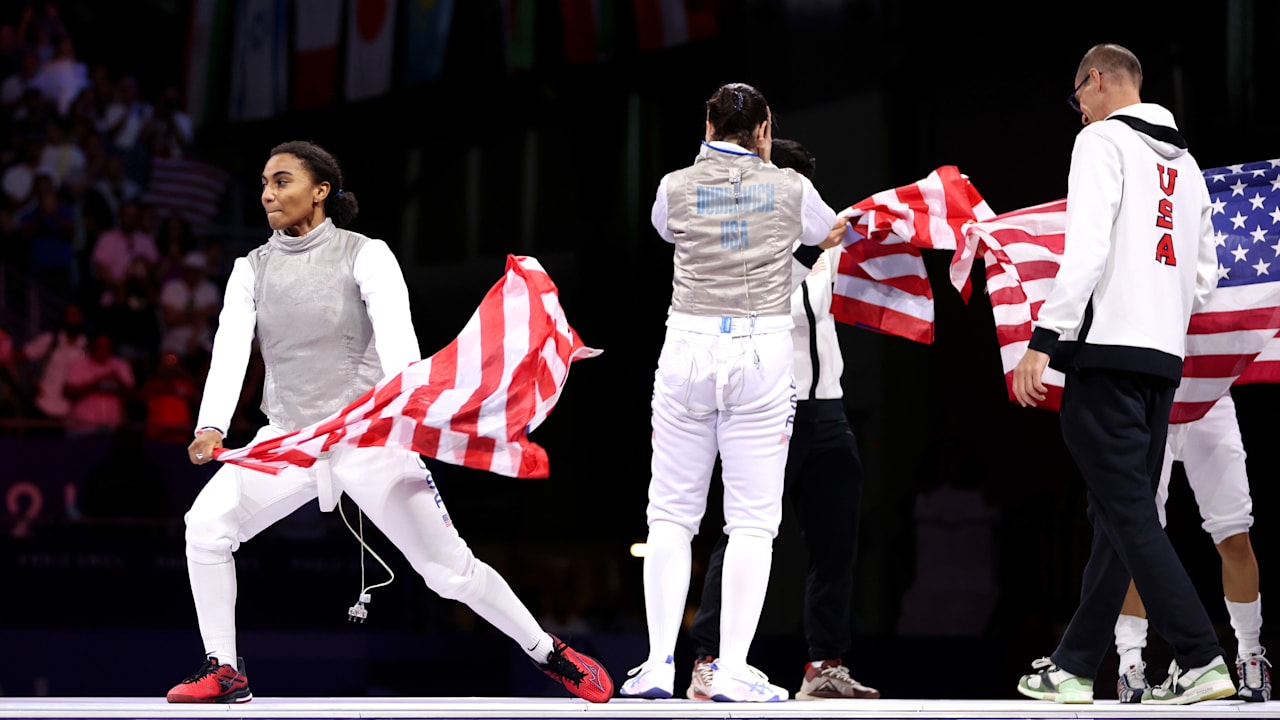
[700, 683]
[831, 680]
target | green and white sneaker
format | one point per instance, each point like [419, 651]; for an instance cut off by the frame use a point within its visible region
[1183, 687]
[1049, 682]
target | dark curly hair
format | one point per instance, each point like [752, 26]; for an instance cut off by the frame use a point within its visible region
[340, 205]
[791, 154]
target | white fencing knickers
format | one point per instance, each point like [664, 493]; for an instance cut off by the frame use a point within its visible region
[727, 393]
[730, 393]
[1212, 454]
[392, 487]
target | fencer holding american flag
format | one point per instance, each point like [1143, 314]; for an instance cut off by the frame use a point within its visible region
[330, 310]
[1139, 258]
[724, 383]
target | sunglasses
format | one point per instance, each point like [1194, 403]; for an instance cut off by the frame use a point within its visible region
[1072, 99]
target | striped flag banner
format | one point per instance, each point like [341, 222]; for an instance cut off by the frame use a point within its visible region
[881, 282]
[1231, 340]
[473, 403]
[189, 188]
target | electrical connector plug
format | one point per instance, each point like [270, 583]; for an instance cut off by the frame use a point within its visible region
[358, 612]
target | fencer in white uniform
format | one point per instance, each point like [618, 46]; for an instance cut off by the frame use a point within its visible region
[724, 383]
[330, 310]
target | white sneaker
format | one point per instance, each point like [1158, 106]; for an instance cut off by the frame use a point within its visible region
[1183, 687]
[1132, 684]
[1254, 672]
[653, 680]
[743, 684]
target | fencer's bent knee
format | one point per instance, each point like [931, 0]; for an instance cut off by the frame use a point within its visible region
[207, 541]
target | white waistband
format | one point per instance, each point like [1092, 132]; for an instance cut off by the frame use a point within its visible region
[732, 326]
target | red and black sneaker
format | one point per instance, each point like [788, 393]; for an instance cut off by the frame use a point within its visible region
[580, 674]
[213, 683]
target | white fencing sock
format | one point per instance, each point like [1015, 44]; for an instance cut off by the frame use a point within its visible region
[745, 578]
[498, 604]
[667, 564]
[1131, 638]
[1246, 620]
[213, 587]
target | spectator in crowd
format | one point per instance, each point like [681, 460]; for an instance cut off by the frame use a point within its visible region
[19, 177]
[17, 82]
[132, 318]
[171, 131]
[61, 157]
[51, 355]
[110, 191]
[169, 396]
[32, 113]
[174, 240]
[63, 77]
[48, 227]
[41, 27]
[189, 305]
[11, 50]
[125, 119]
[98, 385]
[116, 249]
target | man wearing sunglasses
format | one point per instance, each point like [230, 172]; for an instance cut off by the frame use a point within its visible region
[1139, 257]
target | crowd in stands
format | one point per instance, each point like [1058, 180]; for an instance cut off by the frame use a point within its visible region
[136, 292]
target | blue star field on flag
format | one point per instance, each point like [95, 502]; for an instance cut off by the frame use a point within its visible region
[1246, 221]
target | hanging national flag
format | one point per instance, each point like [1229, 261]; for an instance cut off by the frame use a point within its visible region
[473, 403]
[581, 30]
[370, 46]
[206, 53]
[518, 33]
[702, 19]
[259, 78]
[661, 24]
[186, 187]
[317, 36]
[1231, 340]
[881, 282]
[426, 39]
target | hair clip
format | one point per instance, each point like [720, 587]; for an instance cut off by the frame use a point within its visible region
[737, 100]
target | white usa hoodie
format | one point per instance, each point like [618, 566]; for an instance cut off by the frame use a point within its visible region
[1139, 253]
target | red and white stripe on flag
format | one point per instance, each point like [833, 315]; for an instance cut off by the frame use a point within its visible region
[1022, 250]
[1232, 339]
[473, 403]
[317, 37]
[881, 282]
[189, 188]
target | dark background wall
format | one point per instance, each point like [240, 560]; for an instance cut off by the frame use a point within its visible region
[560, 161]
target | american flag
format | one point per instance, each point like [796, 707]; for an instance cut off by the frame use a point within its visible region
[186, 187]
[1231, 340]
[881, 283]
[473, 403]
